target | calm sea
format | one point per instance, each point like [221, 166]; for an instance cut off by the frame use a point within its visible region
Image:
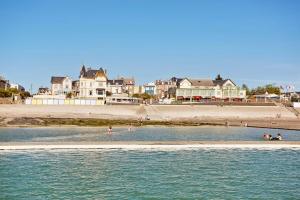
[150, 173]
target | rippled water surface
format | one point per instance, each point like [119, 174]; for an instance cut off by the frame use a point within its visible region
[148, 173]
[155, 174]
[140, 134]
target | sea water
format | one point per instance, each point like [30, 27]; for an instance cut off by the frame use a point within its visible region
[73, 134]
[150, 174]
[156, 173]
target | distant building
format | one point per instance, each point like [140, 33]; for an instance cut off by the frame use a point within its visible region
[76, 88]
[115, 86]
[267, 97]
[197, 89]
[4, 84]
[93, 83]
[61, 85]
[150, 88]
[44, 91]
[162, 88]
[128, 85]
[19, 87]
[139, 89]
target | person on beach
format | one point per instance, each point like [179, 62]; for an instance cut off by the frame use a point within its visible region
[279, 137]
[109, 131]
[270, 137]
[130, 127]
[266, 136]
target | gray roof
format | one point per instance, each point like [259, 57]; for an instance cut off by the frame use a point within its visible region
[222, 82]
[201, 82]
[128, 81]
[57, 79]
[91, 73]
[115, 81]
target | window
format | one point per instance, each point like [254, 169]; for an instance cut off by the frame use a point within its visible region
[100, 84]
[91, 84]
[100, 92]
[91, 92]
[81, 84]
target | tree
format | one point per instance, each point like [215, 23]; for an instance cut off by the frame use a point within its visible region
[25, 94]
[69, 95]
[143, 96]
[269, 88]
[245, 87]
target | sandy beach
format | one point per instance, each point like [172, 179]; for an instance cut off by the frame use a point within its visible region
[45, 115]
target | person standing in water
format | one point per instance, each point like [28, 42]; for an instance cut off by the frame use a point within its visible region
[109, 129]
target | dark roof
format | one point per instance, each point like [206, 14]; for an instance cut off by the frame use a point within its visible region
[114, 82]
[75, 82]
[222, 82]
[201, 82]
[219, 82]
[43, 89]
[128, 81]
[91, 73]
[57, 79]
[176, 80]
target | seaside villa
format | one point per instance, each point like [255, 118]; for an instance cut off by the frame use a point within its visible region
[197, 89]
[61, 85]
[92, 83]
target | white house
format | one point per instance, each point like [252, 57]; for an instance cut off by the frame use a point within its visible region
[197, 89]
[150, 88]
[115, 86]
[92, 83]
[17, 86]
[61, 85]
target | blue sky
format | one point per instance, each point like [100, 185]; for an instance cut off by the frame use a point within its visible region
[250, 41]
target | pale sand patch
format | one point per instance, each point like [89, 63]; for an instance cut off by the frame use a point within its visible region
[155, 112]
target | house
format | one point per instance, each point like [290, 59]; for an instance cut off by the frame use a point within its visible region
[138, 89]
[162, 88]
[128, 85]
[150, 88]
[197, 89]
[267, 97]
[76, 88]
[93, 83]
[61, 85]
[44, 91]
[20, 88]
[4, 84]
[115, 86]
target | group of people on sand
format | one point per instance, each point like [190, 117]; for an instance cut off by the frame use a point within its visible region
[270, 137]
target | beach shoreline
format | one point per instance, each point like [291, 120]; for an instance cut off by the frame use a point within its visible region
[131, 145]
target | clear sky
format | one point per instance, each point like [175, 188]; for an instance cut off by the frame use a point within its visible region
[250, 41]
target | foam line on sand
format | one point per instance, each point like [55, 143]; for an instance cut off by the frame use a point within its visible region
[149, 146]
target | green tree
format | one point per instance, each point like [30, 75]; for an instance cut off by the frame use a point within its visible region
[270, 88]
[69, 95]
[245, 87]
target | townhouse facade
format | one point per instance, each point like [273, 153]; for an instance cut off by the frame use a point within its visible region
[61, 85]
[92, 83]
[197, 89]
